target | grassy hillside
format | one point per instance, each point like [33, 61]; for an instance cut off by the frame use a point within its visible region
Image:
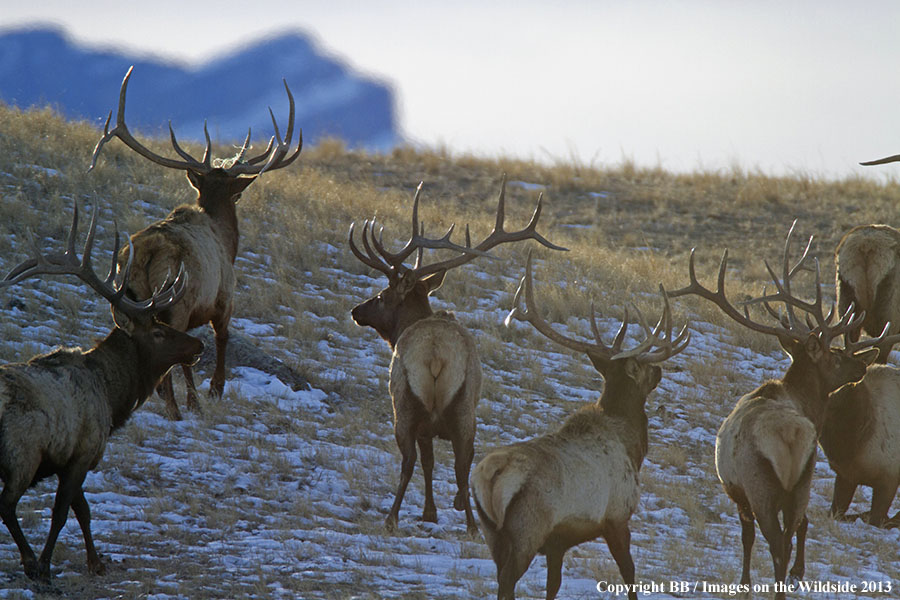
[267, 494]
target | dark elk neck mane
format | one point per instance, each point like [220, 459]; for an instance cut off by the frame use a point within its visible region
[622, 399]
[805, 386]
[114, 358]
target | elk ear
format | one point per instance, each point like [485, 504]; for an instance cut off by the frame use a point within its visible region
[195, 178]
[868, 356]
[123, 321]
[601, 364]
[433, 282]
[813, 347]
[406, 284]
[238, 185]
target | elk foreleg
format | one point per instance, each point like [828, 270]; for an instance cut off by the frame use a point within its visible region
[83, 514]
[882, 498]
[618, 539]
[426, 449]
[192, 398]
[842, 497]
[554, 571]
[167, 393]
[748, 536]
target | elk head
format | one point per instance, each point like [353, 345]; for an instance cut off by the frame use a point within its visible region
[405, 299]
[218, 183]
[636, 369]
[807, 341]
[159, 345]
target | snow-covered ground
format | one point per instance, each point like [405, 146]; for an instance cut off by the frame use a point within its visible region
[275, 493]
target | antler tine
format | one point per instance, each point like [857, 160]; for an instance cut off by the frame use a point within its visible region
[417, 241]
[68, 263]
[275, 152]
[881, 161]
[368, 259]
[719, 299]
[121, 131]
[532, 315]
[498, 236]
[883, 339]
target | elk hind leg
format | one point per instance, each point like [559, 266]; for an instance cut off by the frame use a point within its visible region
[463, 440]
[407, 445]
[554, 571]
[426, 449]
[217, 383]
[9, 498]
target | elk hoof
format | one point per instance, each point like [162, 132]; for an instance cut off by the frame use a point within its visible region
[460, 502]
[391, 523]
[430, 516]
[96, 566]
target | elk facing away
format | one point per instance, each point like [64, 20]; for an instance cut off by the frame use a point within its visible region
[580, 482]
[203, 237]
[435, 379]
[766, 447]
[58, 409]
[867, 264]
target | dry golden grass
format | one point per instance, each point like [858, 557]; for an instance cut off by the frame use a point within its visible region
[628, 229]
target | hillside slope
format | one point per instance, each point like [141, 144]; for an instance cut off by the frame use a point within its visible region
[275, 493]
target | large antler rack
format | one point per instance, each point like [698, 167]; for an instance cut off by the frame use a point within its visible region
[274, 157]
[658, 345]
[391, 263]
[789, 327]
[68, 263]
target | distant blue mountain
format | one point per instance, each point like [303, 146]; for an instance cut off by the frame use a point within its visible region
[42, 66]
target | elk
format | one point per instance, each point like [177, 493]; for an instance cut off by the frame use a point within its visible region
[766, 447]
[861, 442]
[867, 265]
[580, 482]
[57, 410]
[435, 378]
[203, 237]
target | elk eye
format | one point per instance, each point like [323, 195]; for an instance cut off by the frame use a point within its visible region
[159, 335]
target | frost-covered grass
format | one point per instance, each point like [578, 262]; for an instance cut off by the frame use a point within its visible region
[274, 493]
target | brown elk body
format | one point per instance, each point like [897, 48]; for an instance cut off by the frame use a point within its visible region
[57, 410]
[578, 483]
[203, 237]
[435, 380]
[861, 439]
[766, 447]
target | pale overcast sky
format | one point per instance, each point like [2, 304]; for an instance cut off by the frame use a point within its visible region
[782, 86]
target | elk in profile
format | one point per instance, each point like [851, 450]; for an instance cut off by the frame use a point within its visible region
[58, 409]
[203, 237]
[435, 379]
[867, 264]
[580, 482]
[766, 447]
[861, 441]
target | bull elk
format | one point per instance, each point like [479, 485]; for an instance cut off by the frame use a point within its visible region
[435, 379]
[203, 237]
[553, 492]
[766, 447]
[57, 410]
[867, 264]
[862, 445]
